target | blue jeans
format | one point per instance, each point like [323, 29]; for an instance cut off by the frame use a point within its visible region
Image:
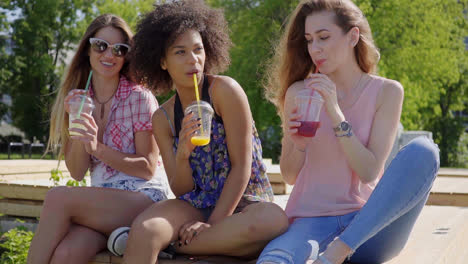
[379, 230]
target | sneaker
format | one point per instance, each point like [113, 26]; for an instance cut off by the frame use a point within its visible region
[117, 241]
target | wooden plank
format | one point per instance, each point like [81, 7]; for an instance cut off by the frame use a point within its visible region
[274, 173]
[21, 191]
[20, 207]
[438, 237]
[107, 257]
[450, 185]
[449, 191]
[223, 260]
[281, 188]
[448, 199]
[452, 172]
[29, 165]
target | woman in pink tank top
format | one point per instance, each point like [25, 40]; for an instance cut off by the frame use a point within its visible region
[342, 204]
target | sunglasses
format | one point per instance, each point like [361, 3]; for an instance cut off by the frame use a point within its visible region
[100, 45]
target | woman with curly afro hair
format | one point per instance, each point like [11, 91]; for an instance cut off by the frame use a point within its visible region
[223, 204]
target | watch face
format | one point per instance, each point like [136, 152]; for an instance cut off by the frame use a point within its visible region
[344, 126]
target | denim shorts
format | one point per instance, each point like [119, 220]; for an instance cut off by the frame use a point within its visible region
[155, 191]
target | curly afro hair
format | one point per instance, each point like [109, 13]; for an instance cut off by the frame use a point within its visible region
[158, 30]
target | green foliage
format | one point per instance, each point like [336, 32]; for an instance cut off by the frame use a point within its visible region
[421, 44]
[15, 244]
[42, 34]
[130, 11]
[255, 28]
[56, 175]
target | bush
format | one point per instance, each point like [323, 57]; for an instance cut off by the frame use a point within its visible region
[15, 245]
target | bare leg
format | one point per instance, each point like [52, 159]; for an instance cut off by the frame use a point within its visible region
[100, 209]
[79, 246]
[244, 234]
[155, 228]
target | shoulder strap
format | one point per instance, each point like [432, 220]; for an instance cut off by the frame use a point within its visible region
[168, 120]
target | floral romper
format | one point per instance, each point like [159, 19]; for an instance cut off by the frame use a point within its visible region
[211, 165]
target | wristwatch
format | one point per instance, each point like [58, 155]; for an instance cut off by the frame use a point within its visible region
[343, 129]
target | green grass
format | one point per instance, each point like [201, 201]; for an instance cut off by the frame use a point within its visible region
[4, 156]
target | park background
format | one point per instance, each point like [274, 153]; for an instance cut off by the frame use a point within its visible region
[423, 44]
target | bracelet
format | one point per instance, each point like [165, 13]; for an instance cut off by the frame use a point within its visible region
[349, 134]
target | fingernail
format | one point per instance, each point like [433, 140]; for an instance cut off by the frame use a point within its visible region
[186, 242]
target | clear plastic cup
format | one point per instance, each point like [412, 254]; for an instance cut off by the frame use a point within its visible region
[75, 103]
[204, 111]
[309, 104]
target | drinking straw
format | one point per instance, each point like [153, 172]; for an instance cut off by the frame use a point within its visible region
[86, 90]
[310, 99]
[198, 99]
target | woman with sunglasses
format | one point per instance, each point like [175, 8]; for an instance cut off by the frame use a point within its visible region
[116, 145]
[343, 205]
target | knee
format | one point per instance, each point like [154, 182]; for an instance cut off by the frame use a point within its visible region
[149, 229]
[419, 157]
[267, 221]
[64, 253]
[425, 151]
[55, 198]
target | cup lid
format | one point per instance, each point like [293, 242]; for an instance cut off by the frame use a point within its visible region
[203, 104]
[79, 98]
[310, 92]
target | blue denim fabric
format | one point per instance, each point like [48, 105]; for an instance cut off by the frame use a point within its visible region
[378, 231]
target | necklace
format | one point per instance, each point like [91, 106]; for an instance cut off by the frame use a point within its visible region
[354, 87]
[101, 114]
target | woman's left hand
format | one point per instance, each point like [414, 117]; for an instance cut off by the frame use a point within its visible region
[327, 89]
[191, 229]
[88, 136]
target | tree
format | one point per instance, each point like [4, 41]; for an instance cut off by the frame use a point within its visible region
[421, 44]
[255, 28]
[130, 11]
[41, 36]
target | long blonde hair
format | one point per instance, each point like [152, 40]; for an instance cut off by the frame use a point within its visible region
[292, 61]
[77, 75]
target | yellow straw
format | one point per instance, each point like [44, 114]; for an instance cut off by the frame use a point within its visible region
[198, 99]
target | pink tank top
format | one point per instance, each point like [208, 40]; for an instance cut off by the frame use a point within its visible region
[326, 184]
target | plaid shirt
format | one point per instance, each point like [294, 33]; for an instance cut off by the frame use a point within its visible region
[131, 111]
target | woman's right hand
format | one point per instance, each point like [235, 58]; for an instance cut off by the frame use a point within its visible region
[185, 146]
[299, 141]
[70, 95]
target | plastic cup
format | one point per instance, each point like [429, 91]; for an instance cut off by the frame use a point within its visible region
[74, 114]
[309, 105]
[204, 111]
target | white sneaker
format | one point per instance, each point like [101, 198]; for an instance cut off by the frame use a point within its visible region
[117, 241]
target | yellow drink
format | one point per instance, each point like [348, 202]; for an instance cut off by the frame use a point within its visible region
[200, 140]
